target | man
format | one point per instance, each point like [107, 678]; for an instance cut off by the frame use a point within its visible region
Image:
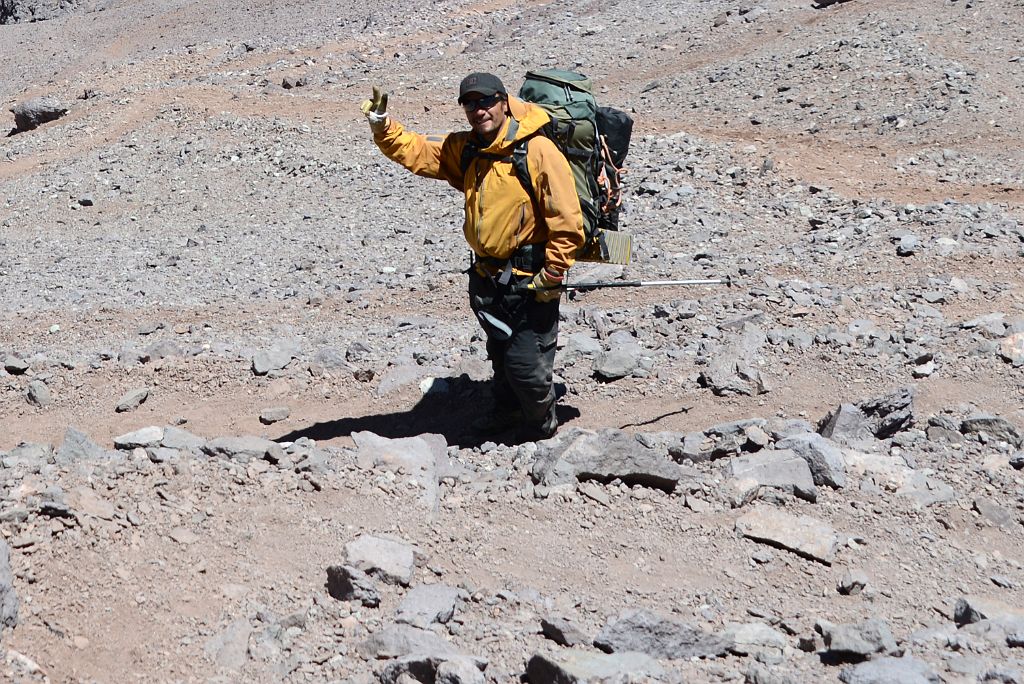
[522, 246]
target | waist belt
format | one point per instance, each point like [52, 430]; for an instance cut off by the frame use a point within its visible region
[528, 258]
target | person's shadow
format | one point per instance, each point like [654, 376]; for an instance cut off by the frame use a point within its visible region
[448, 413]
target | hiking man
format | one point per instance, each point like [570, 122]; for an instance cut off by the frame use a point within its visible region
[521, 248]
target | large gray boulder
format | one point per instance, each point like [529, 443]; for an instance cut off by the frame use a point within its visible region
[907, 670]
[846, 424]
[33, 113]
[971, 609]
[734, 369]
[428, 604]
[563, 631]
[77, 447]
[800, 534]
[993, 427]
[754, 637]
[397, 641]
[575, 666]
[578, 455]
[273, 359]
[890, 414]
[858, 641]
[658, 636]
[440, 668]
[823, 456]
[424, 458]
[389, 560]
[617, 362]
[778, 469]
[243, 449]
[144, 437]
[880, 418]
[132, 399]
[181, 440]
[347, 583]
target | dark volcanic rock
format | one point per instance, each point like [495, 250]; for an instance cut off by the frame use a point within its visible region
[881, 418]
[889, 414]
[346, 583]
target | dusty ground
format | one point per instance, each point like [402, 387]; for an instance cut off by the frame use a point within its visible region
[229, 215]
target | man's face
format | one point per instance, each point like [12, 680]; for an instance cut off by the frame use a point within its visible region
[485, 113]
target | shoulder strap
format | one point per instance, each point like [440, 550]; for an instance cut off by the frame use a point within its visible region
[469, 152]
[522, 169]
[518, 158]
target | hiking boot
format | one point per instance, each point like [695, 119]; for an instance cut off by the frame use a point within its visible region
[537, 433]
[496, 422]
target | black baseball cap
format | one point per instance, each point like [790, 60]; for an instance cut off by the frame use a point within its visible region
[485, 84]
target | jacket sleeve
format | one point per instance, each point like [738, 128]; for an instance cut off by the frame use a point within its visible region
[555, 189]
[430, 156]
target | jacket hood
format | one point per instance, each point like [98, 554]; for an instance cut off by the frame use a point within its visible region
[524, 120]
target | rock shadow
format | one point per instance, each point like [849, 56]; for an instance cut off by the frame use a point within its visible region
[447, 413]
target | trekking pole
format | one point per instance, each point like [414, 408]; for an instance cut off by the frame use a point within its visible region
[594, 285]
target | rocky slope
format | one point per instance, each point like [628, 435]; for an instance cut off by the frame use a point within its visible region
[236, 363]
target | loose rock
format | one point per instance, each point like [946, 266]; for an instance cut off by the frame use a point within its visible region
[35, 112]
[574, 666]
[778, 469]
[428, 604]
[8, 597]
[657, 636]
[858, 641]
[801, 534]
[132, 400]
[38, 394]
[274, 415]
[396, 641]
[389, 560]
[563, 631]
[347, 583]
[907, 670]
[579, 455]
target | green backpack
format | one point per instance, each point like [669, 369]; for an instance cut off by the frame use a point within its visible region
[594, 140]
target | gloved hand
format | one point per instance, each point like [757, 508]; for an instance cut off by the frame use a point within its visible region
[375, 110]
[546, 285]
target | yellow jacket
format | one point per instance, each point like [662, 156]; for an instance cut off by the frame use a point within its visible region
[499, 214]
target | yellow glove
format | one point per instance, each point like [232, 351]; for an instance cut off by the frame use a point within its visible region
[375, 110]
[546, 285]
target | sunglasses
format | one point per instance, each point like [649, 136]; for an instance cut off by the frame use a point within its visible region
[480, 102]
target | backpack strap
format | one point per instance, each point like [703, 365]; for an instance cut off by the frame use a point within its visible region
[522, 169]
[472, 151]
[469, 152]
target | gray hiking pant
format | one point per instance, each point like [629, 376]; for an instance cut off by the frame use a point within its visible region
[523, 363]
